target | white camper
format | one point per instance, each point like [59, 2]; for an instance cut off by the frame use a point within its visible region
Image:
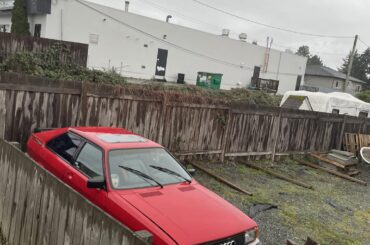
[336, 102]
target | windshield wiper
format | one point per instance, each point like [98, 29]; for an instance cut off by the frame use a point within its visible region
[169, 171]
[141, 174]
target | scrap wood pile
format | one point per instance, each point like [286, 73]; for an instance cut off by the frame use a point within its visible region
[343, 161]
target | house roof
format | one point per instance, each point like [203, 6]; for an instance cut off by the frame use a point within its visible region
[323, 71]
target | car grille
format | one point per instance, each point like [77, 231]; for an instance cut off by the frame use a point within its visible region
[233, 240]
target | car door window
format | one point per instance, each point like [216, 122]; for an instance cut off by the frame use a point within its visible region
[90, 161]
[65, 146]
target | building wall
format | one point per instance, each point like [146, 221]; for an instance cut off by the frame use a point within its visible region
[129, 43]
[5, 20]
[327, 84]
[32, 19]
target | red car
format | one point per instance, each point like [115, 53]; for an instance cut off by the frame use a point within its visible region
[141, 184]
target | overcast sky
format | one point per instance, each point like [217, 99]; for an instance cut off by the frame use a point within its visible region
[327, 17]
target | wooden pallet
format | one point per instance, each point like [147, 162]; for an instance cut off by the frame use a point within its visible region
[364, 140]
[352, 143]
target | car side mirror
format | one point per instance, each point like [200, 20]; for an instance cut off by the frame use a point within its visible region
[96, 183]
[192, 171]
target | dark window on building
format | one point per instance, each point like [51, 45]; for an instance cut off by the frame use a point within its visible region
[298, 83]
[4, 28]
[363, 114]
[37, 32]
[90, 161]
[335, 111]
[65, 146]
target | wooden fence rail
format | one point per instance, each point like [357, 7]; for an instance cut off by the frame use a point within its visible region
[201, 129]
[36, 208]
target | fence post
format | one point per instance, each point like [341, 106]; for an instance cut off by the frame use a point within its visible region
[276, 136]
[2, 113]
[364, 126]
[227, 135]
[82, 121]
[339, 144]
[162, 119]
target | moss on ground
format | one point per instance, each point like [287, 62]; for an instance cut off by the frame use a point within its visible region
[336, 212]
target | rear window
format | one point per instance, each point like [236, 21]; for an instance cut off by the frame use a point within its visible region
[65, 146]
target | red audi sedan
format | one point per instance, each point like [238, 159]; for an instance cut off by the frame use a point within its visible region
[138, 182]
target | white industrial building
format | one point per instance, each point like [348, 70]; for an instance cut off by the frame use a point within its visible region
[142, 47]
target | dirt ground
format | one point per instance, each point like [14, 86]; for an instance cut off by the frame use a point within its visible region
[335, 212]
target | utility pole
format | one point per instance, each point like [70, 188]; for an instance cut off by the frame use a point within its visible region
[345, 85]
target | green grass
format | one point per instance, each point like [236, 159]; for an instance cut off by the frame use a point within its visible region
[301, 212]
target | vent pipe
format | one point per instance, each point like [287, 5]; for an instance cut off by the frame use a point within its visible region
[225, 32]
[168, 18]
[127, 4]
[243, 37]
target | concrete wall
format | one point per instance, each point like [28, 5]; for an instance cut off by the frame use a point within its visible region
[36, 208]
[328, 84]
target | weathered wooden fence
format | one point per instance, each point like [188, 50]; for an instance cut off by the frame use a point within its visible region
[10, 43]
[187, 129]
[36, 208]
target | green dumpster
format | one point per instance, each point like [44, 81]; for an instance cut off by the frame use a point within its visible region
[209, 80]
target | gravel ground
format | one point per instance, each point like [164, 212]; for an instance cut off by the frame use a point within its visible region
[335, 212]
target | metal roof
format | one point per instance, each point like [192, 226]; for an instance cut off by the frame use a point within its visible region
[323, 71]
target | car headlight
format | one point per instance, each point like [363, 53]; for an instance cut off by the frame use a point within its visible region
[251, 235]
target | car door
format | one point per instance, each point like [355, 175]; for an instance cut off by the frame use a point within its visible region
[88, 164]
[60, 153]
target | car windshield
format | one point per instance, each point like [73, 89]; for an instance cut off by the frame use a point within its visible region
[139, 168]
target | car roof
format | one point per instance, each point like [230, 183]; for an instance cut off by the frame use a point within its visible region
[114, 138]
[105, 137]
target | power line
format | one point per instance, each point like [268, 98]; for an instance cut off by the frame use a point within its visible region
[240, 66]
[363, 42]
[267, 25]
[194, 20]
[157, 38]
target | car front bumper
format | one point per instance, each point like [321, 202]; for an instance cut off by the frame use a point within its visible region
[256, 242]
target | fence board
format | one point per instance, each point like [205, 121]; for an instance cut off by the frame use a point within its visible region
[181, 127]
[36, 208]
[10, 43]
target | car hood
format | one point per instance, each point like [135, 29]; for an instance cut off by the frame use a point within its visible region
[190, 214]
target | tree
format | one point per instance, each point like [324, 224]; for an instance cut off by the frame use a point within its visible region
[20, 23]
[315, 60]
[360, 67]
[312, 60]
[304, 51]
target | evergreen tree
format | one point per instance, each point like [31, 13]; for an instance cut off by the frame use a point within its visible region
[20, 23]
[304, 51]
[312, 59]
[360, 66]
